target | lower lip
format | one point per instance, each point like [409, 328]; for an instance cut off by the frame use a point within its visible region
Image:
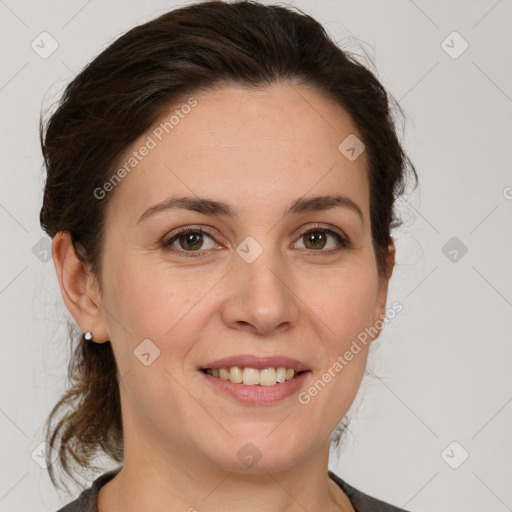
[257, 394]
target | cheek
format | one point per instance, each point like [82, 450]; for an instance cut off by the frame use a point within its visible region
[347, 306]
[152, 296]
[143, 303]
[346, 312]
[167, 311]
[346, 309]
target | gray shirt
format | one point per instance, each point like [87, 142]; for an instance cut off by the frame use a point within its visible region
[87, 501]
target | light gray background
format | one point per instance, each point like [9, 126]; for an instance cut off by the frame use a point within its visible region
[442, 365]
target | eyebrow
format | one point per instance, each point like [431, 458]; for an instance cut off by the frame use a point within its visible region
[212, 207]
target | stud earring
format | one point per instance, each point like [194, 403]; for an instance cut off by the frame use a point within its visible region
[88, 336]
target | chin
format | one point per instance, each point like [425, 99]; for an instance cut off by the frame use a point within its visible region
[257, 450]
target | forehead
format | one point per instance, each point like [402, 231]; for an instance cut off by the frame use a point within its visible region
[243, 145]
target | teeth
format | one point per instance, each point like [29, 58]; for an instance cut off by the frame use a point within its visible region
[268, 377]
[236, 375]
[252, 376]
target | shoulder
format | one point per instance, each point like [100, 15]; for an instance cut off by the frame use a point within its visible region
[87, 501]
[362, 502]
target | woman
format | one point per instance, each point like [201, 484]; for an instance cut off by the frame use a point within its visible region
[220, 190]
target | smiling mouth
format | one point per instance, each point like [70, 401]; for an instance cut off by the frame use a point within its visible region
[253, 376]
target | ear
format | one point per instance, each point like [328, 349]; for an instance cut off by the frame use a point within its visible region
[78, 287]
[382, 294]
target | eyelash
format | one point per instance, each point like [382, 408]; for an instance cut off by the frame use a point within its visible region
[344, 243]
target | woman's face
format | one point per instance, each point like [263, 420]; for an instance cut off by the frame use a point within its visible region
[252, 284]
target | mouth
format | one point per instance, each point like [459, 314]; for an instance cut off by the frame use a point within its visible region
[249, 376]
[255, 382]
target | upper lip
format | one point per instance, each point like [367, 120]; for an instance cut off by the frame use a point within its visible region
[257, 362]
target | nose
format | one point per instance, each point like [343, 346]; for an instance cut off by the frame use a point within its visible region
[260, 296]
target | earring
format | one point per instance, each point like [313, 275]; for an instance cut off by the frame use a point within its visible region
[88, 336]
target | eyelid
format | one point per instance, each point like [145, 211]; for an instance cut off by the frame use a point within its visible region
[343, 239]
[323, 227]
[200, 228]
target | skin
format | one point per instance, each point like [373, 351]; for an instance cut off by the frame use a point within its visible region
[258, 150]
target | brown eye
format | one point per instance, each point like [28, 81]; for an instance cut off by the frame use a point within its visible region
[317, 240]
[192, 241]
[189, 242]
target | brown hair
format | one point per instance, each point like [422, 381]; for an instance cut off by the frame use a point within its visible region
[121, 93]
